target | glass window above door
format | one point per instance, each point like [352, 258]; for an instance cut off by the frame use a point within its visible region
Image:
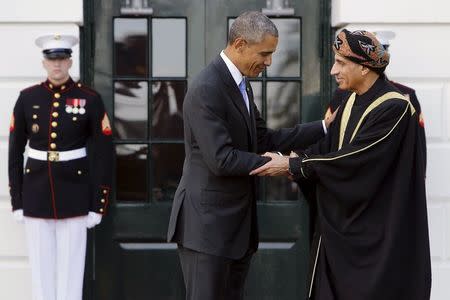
[130, 109]
[131, 172]
[286, 60]
[167, 114]
[169, 47]
[149, 82]
[131, 47]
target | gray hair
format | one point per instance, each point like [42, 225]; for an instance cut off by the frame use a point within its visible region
[252, 26]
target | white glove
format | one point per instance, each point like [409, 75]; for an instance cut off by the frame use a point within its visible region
[93, 219]
[18, 215]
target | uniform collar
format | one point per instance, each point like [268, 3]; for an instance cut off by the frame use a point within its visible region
[60, 88]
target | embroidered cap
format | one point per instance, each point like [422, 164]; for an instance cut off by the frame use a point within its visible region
[362, 47]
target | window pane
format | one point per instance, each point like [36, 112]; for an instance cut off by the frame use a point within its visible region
[286, 60]
[131, 172]
[283, 110]
[257, 94]
[131, 47]
[167, 117]
[169, 47]
[283, 104]
[166, 169]
[130, 109]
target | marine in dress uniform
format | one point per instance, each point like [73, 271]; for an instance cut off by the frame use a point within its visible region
[57, 195]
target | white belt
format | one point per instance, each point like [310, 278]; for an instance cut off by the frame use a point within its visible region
[57, 155]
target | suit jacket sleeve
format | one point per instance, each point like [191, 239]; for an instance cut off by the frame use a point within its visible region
[101, 152]
[205, 116]
[286, 139]
[17, 141]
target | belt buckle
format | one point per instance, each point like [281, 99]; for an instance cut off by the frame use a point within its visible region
[53, 155]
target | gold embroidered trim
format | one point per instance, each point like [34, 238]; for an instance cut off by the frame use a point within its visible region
[408, 107]
[376, 103]
[345, 117]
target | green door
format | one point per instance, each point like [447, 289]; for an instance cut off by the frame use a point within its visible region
[142, 64]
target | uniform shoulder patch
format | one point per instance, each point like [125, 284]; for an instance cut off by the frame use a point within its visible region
[106, 126]
[421, 120]
[12, 123]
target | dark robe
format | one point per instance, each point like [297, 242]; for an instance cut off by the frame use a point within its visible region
[340, 96]
[370, 193]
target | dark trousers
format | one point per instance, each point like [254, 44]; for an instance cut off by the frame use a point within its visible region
[209, 277]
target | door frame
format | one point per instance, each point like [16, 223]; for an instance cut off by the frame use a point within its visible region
[87, 59]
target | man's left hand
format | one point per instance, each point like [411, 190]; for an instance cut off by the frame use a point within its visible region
[330, 119]
[278, 166]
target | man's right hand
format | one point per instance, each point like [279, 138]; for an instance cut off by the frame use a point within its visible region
[18, 215]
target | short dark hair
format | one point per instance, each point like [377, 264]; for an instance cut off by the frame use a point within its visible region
[252, 26]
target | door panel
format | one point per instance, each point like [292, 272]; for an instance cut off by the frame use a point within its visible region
[142, 66]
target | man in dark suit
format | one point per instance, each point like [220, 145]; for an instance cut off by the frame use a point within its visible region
[213, 217]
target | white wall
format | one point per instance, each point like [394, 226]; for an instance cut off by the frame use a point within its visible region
[419, 59]
[21, 22]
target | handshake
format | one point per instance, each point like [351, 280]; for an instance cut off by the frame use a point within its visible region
[277, 166]
[291, 166]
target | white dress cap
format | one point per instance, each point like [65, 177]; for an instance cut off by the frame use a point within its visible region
[56, 41]
[56, 46]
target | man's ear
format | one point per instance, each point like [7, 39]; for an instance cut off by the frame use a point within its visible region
[364, 70]
[239, 44]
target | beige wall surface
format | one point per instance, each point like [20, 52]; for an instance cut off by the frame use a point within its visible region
[419, 59]
[21, 22]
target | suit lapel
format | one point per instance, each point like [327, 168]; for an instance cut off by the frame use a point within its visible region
[235, 93]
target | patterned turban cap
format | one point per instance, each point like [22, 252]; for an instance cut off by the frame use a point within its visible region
[362, 47]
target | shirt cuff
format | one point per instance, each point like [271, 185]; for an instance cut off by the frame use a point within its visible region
[324, 127]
